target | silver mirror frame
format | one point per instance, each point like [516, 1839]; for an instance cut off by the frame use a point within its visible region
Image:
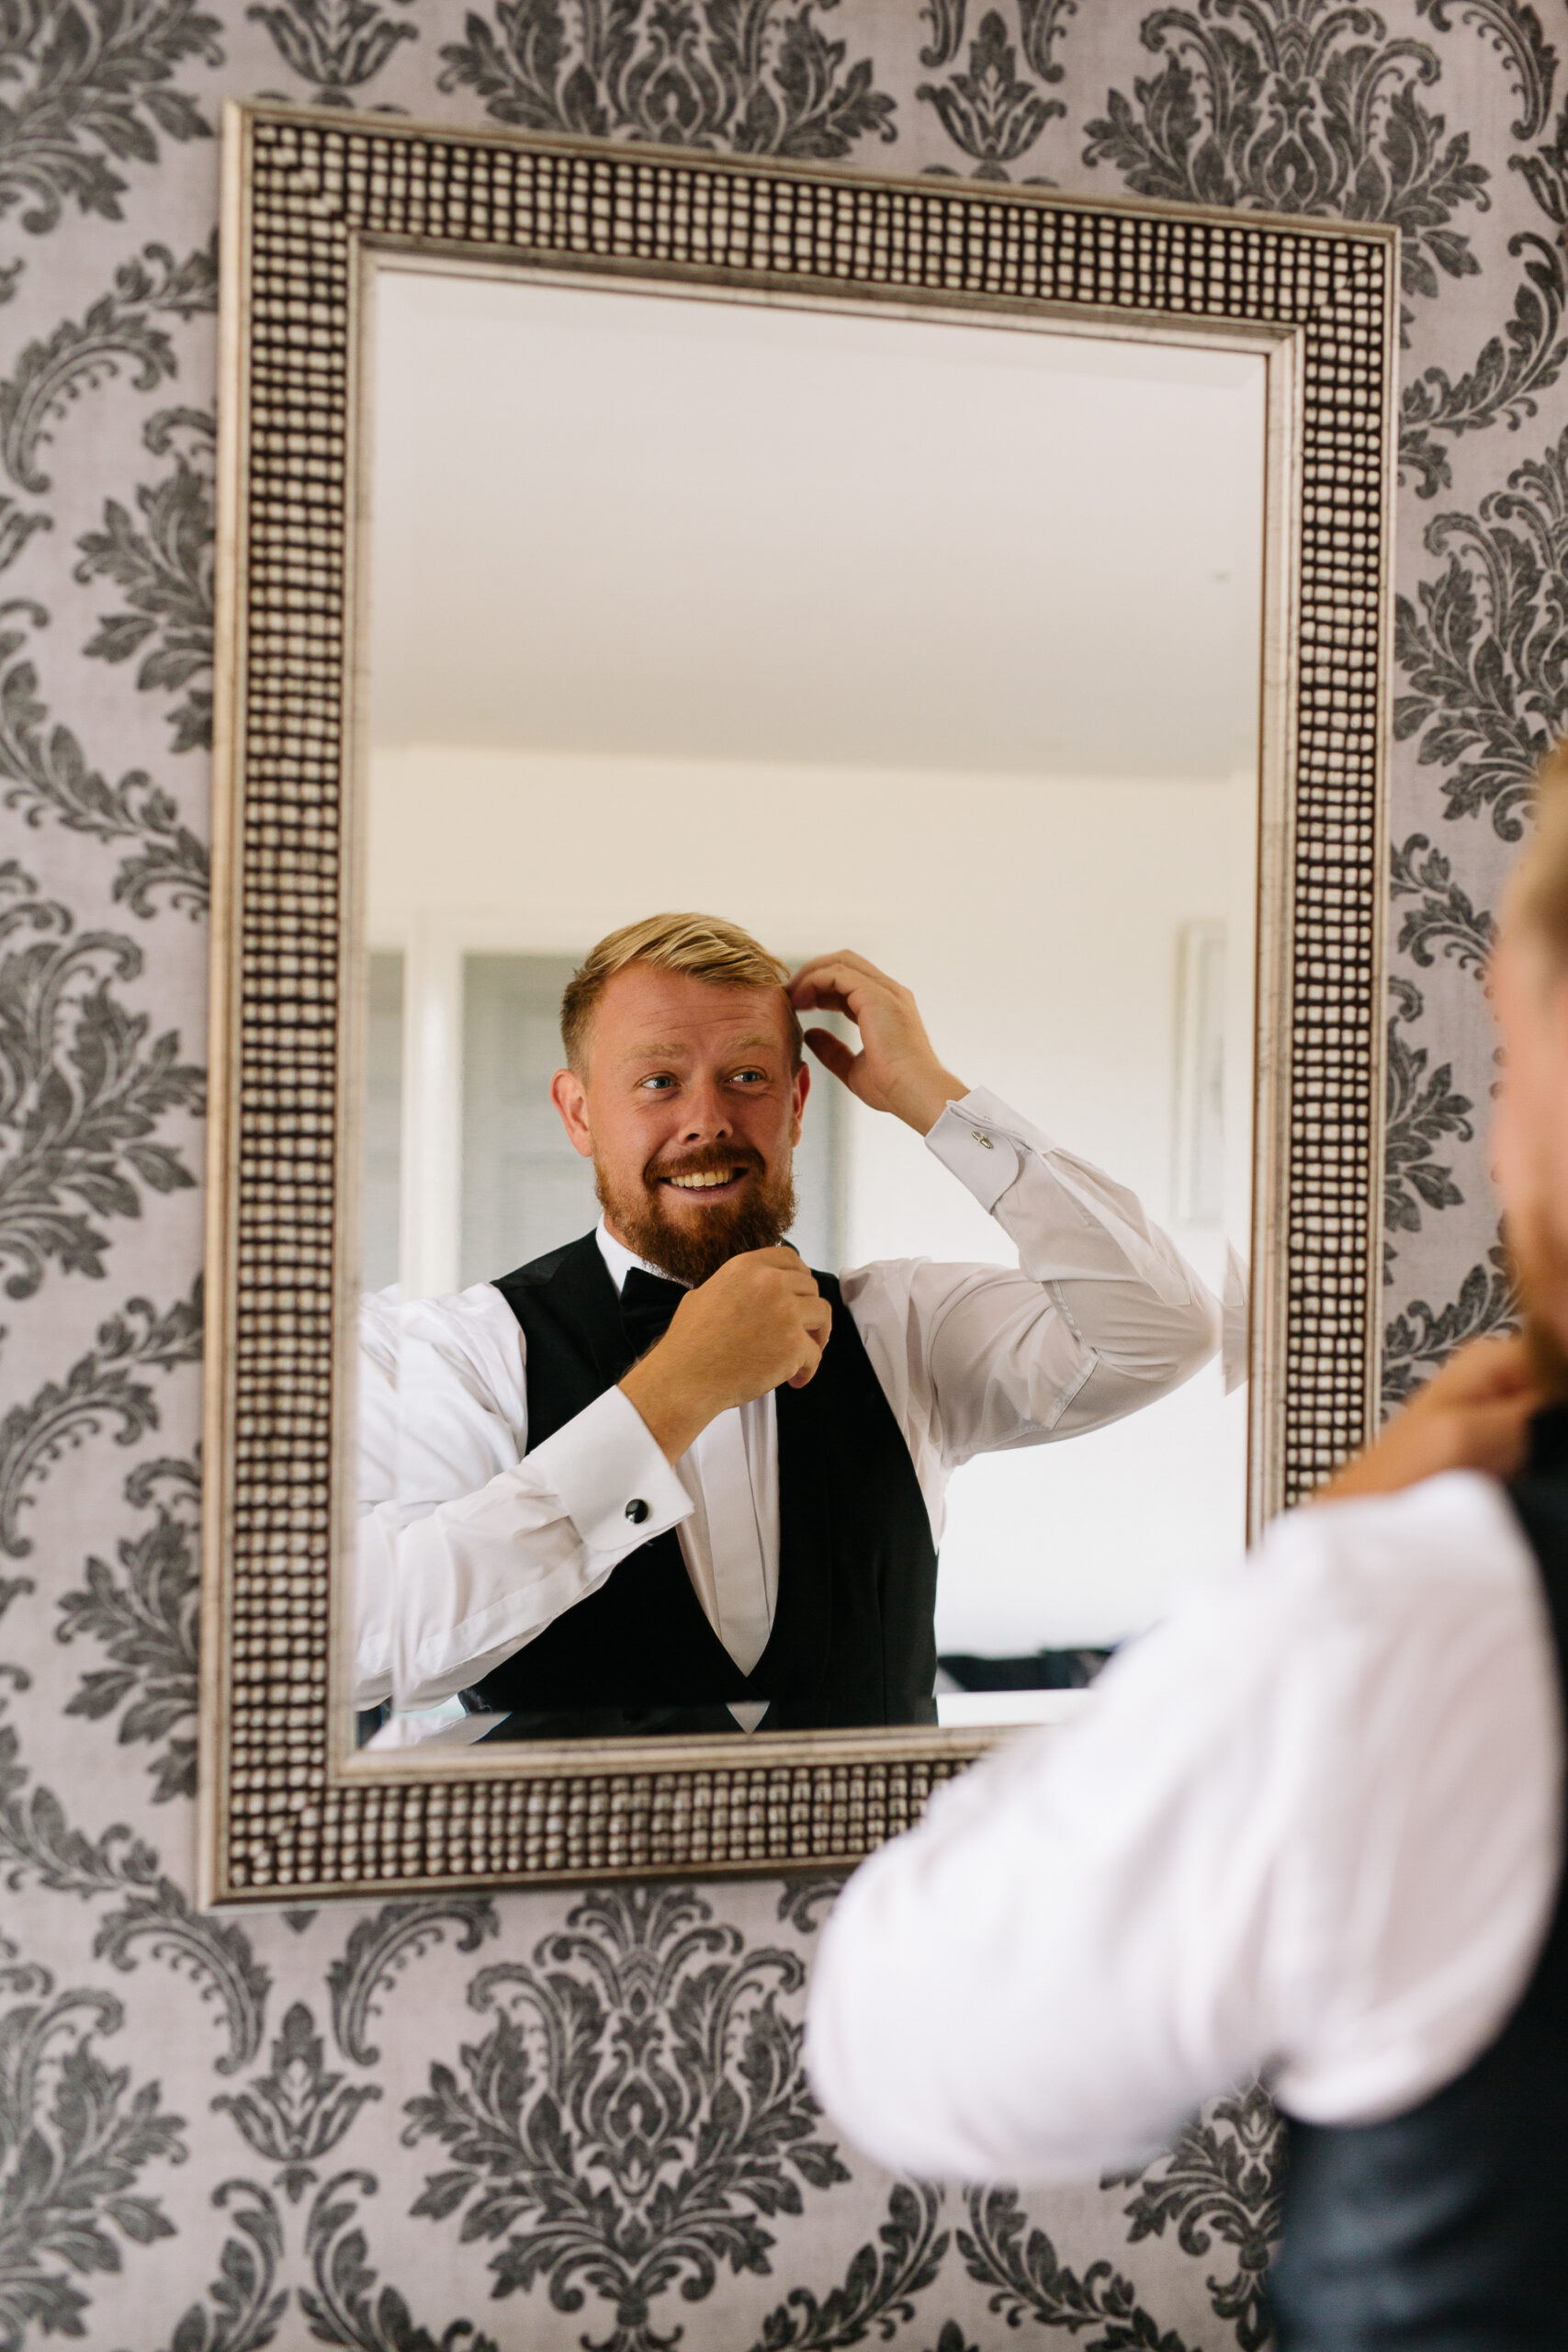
[288, 1815]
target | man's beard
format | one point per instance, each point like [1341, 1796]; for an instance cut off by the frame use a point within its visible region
[689, 1251]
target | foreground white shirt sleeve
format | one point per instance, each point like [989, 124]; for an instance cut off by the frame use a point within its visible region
[468, 1546]
[1308, 1828]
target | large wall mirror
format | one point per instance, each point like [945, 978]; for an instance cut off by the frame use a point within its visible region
[991, 587]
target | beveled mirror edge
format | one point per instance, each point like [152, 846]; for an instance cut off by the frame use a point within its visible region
[634, 1773]
[1271, 928]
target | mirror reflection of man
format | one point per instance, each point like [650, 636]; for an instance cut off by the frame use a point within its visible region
[667, 1477]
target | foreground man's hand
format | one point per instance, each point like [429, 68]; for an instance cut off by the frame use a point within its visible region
[758, 1322]
[896, 1069]
[1472, 1416]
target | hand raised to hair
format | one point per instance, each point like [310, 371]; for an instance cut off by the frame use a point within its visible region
[897, 1069]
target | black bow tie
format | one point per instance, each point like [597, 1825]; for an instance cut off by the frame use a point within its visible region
[647, 1304]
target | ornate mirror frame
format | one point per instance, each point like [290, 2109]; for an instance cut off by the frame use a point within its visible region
[288, 1815]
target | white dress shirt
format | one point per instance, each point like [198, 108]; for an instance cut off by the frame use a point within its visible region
[470, 1547]
[1309, 1828]
[730, 1542]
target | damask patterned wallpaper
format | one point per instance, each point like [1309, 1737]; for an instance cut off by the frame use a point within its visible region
[563, 2121]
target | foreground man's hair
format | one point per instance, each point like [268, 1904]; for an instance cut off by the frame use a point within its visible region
[701, 947]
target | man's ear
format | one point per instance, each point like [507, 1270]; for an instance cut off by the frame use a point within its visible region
[571, 1098]
[801, 1088]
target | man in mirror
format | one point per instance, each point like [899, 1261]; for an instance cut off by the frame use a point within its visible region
[667, 1477]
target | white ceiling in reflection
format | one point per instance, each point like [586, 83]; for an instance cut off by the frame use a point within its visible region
[706, 529]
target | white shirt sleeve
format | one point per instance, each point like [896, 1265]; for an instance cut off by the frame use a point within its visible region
[1309, 1828]
[1101, 1314]
[468, 1546]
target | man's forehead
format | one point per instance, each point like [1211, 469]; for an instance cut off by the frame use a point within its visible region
[645, 1010]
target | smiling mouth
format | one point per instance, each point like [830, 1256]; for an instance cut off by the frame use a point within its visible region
[708, 1179]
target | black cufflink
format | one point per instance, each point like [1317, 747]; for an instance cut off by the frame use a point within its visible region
[637, 1510]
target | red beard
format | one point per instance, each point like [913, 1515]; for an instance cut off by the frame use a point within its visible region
[687, 1249]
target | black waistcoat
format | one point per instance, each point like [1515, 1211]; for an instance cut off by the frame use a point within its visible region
[1446, 2229]
[852, 1640]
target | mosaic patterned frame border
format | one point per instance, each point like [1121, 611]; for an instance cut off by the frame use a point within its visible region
[286, 1818]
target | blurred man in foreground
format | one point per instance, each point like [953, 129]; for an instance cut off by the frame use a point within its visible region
[1311, 1828]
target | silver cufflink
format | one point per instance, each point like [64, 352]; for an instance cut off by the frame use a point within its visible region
[985, 1141]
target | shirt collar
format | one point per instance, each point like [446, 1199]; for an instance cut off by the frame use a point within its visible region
[620, 1259]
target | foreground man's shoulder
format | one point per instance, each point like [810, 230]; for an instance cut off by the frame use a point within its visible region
[1461, 1523]
[1334, 1590]
[1441, 1566]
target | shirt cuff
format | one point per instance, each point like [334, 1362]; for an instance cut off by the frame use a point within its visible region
[984, 1143]
[613, 1480]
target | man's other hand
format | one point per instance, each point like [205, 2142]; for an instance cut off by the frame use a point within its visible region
[1472, 1416]
[896, 1069]
[757, 1323]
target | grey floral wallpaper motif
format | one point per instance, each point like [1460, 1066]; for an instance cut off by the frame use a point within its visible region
[580, 2120]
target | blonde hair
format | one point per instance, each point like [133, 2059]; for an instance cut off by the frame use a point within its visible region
[1537, 890]
[702, 947]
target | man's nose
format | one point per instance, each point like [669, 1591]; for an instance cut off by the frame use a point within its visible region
[707, 1115]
